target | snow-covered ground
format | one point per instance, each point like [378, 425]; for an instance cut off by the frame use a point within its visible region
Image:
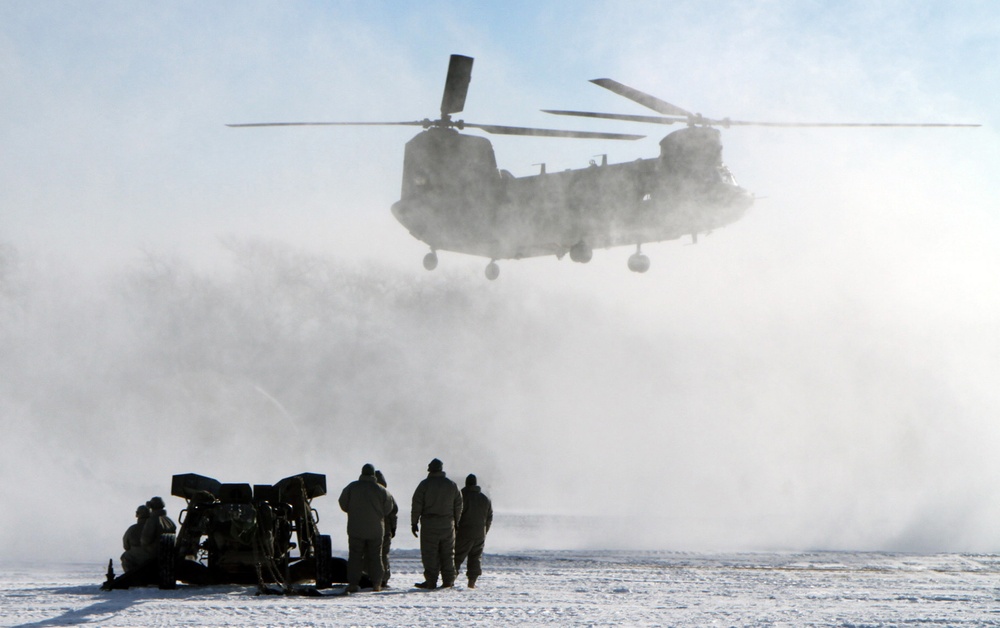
[559, 588]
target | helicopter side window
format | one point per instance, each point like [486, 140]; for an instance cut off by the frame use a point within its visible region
[725, 175]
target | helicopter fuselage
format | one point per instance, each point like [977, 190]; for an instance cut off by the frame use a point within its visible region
[455, 198]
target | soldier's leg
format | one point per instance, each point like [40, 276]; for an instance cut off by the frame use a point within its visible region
[447, 558]
[128, 563]
[463, 546]
[429, 556]
[386, 543]
[355, 560]
[475, 568]
[373, 559]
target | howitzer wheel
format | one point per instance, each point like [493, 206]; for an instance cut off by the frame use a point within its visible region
[167, 562]
[324, 562]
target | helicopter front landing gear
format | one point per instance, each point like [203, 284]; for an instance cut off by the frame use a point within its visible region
[581, 252]
[492, 270]
[637, 262]
[431, 260]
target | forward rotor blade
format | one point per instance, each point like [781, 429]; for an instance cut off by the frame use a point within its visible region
[456, 86]
[616, 116]
[644, 99]
[489, 128]
[518, 130]
[412, 123]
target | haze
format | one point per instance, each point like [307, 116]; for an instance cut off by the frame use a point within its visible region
[177, 296]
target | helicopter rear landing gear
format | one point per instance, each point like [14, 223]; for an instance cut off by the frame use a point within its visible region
[492, 270]
[431, 261]
[581, 252]
[637, 262]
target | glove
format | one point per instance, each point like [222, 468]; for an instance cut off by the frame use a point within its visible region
[415, 529]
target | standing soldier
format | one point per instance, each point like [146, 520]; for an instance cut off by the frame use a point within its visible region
[132, 540]
[367, 504]
[437, 507]
[470, 539]
[389, 532]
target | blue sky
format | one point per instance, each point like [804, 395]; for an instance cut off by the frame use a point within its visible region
[128, 87]
[121, 88]
[834, 354]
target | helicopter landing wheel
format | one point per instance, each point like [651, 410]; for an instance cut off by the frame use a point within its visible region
[638, 262]
[492, 270]
[431, 261]
[581, 252]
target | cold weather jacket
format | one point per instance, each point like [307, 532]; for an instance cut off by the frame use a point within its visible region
[437, 502]
[157, 524]
[391, 518]
[133, 536]
[477, 514]
[367, 505]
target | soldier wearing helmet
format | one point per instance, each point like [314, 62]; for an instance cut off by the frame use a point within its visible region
[132, 540]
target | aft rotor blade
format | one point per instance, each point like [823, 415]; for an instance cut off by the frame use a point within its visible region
[616, 116]
[456, 86]
[644, 99]
[518, 130]
[411, 123]
[725, 122]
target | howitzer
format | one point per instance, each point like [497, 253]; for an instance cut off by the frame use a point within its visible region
[243, 534]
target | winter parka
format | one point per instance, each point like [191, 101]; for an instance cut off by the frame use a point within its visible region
[157, 524]
[367, 505]
[477, 514]
[133, 536]
[437, 502]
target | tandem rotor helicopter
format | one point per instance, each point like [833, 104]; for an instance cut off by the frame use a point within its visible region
[454, 198]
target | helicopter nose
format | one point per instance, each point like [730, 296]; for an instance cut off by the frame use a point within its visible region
[411, 216]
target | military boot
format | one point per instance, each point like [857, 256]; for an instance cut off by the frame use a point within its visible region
[426, 585]
[472, 582]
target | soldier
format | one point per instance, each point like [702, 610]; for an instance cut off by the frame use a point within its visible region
[156, 525]
[367, 505]
[470, 538]
[437, 507]
[389, 532]
[132, 540]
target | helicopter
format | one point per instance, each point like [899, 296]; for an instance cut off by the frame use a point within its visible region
[455, 198]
